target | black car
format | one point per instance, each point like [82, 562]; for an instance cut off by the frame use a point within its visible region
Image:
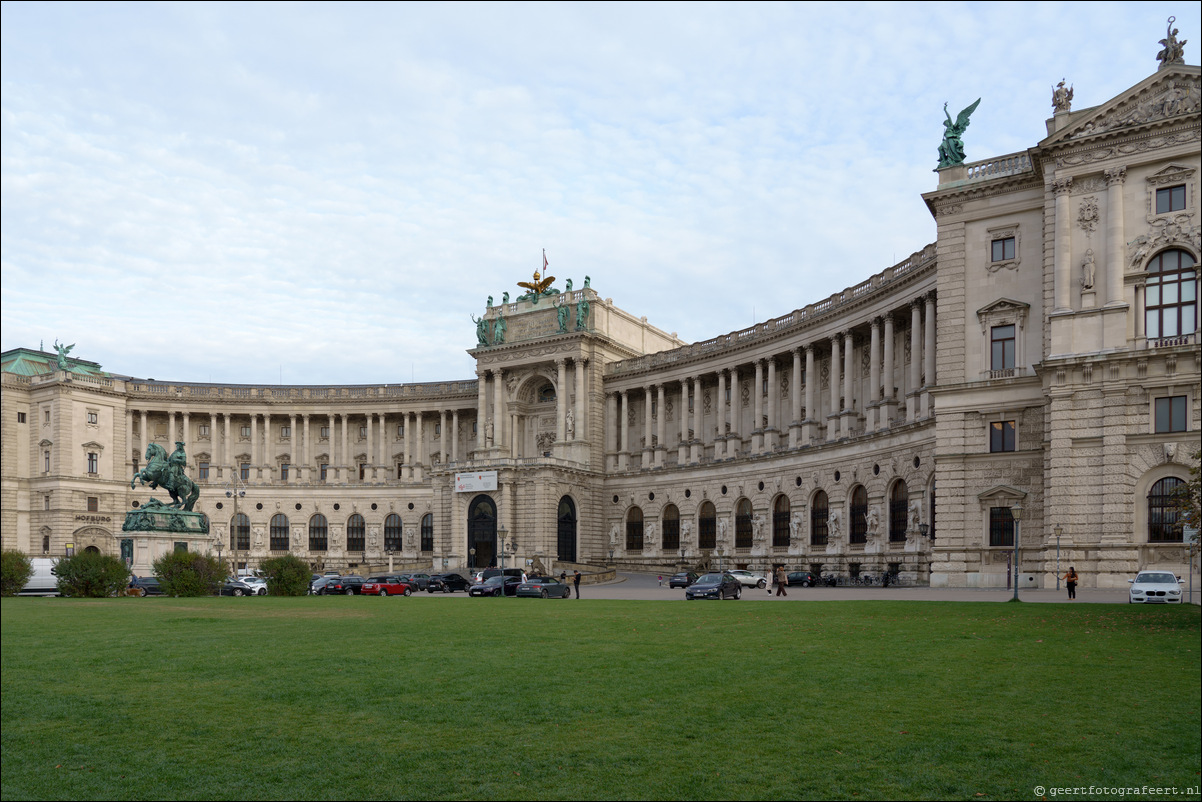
[714, 586]
[145, 586]
[321, 585]
[683, 579]
[236, 587]
[805, 579]
[422, 581]
[496, 586]
[447, 583]
[347, 585]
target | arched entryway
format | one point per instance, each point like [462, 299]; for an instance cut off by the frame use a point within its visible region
[482, 532]
[567, 530]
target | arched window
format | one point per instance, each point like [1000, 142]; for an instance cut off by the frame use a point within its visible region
[819, 512]
[743, 524]
[1164, 519]
[279, 532]
[1171, 295]
[707, 527]
[319, 531]
[393, 532]
[634, 529]
[428, 532]
[671, 528]
[356, 531]
[899, 498]
[240, 533]
[780, 523]
[859, 516]
[566, 539]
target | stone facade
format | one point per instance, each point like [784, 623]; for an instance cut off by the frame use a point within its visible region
[1009, 363]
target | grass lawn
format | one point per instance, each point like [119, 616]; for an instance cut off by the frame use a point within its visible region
[447, 698]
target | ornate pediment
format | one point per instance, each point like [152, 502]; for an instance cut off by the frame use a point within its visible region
[1001, 496]
[1173, 174]
[1003, 311]
[1173, 92]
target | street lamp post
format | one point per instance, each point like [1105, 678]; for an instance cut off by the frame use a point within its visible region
[501, 533]
[235, 489]
[1016, 512]
[1058, 530]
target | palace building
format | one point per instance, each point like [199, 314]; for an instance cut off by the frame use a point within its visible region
[1034, 373]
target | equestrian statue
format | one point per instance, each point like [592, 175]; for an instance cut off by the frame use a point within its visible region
[168, 472]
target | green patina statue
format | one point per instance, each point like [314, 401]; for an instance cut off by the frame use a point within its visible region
[562, 313]
[63, 350]
[951, 150]
[481, 330]
[498, 330]
[582, 310]
[168, 472]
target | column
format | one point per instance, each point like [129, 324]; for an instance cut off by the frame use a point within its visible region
[808, 425]
[227, 458]
[698, 442]
[306, 454]
[624, 428]
[928, 355]
[454, 436]
[848, 412]
[832, 415]
[874, 375]
[648, 447]
[420, 436]
[268, 451]
[498, 388]
[1064, 257]
[481, 407]
[757, 395]
[293, 454]
[171, 433]
[561, 400]
[442, 428]
[770, 433]
[612, 429]
[888, 408]
[254, 446]
[344, 450]
[214, 469]
[186, 438]
[1114, 235]
[145, 435]
[736, 414]
[721, 409]
[369, 447]
[914, 394]
[660, 427]
[682, 448]
[409, 458]
[795, 400]
[581, 431]
[129, 440]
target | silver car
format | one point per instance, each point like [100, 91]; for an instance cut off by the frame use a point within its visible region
[1155, 587]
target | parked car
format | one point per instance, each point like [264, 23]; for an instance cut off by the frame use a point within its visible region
[805, 579]
[748, 579]
[42, 582]
[145, 586]
[715, 586]
[420, 581]
[544, 587]
[256, 582]
[351, 585]
[683, 579]
[388, 586]
[495, 586]
[236, 587]
[447, 583]
[489, 573]
[1155, 587]
[320, 586]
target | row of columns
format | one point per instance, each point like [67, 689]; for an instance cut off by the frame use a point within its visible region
[767, 425]
[501, 423]
[302, 466]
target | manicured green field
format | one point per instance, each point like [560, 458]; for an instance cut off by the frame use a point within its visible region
[427, 698]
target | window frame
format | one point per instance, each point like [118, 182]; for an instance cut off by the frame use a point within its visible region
[278, 532]
[1003, 436]
[1172, 194]
[356, 533]
[1179, 280]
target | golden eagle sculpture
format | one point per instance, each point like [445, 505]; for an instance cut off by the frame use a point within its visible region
[537, 286]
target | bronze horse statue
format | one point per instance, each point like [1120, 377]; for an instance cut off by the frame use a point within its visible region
[168, 473]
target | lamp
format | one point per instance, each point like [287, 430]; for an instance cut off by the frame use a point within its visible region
[1016, 512]
[1058, 530]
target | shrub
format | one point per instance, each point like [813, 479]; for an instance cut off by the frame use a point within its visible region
[286, 576]
[187, 573]
[91, 574]
[15, 571]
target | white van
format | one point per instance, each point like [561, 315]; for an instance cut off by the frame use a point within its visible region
[43, 582]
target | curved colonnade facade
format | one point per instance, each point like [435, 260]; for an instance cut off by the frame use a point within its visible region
[1041, 356]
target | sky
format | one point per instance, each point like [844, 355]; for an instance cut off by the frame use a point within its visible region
[325, 194]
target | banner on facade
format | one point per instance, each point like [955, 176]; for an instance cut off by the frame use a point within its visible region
[475, 482]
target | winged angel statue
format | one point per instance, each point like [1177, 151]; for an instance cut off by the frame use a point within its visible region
[951, 150]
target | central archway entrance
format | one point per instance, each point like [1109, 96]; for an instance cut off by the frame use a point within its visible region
[482, 532]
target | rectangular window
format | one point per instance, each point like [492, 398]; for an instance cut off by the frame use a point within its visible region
[20, 417]
[363, 432]
[202, 469]
[400, 430]
[246, 431]
[46, 461]
[1002, 250]
[93, 462]
[1001, 436]
[1002, 348]
[93, 504]
[1170, 199]
[46, 417]
[325, 467]
[284, 472]
[286, 432]
[400, 469]
[93, 418]
[1001, 527]
[1171, 414]
[437, 428]
[362, 471]
[204, 430]
[244, 471]
[325, 432]
[46, 500]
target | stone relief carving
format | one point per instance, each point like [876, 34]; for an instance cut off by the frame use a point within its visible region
[758, 531]
[834, 525]
[1087, 214]
[649, 533]
[873, 520]
[795, 528]
[614, 531]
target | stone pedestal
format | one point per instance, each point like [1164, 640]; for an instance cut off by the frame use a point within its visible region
[156, 530]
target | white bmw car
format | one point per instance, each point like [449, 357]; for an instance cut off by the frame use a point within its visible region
[748, 579]
[1155, 587]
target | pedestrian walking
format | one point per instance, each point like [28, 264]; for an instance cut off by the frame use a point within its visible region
[768, 575]
[782, 579]
[1070, 581]
[576, 583]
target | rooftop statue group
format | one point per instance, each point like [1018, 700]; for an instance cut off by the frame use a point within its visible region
[493, 333]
